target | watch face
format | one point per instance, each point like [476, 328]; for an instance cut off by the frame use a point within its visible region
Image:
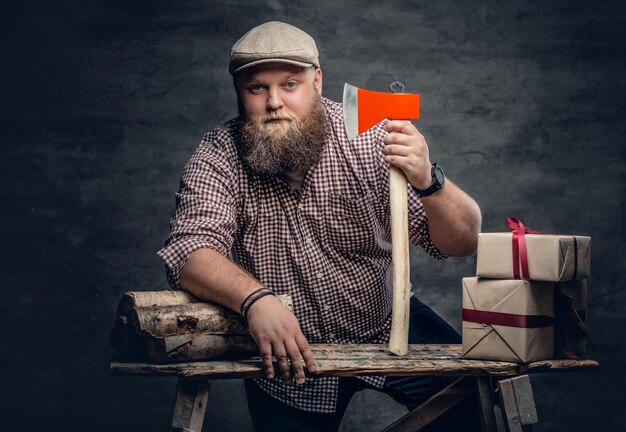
[439, 174]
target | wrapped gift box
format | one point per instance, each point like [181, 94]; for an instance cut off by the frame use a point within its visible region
[514, 320]
[550, 257]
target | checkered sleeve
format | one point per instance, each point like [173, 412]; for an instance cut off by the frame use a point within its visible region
[206, 206]
[418, 227]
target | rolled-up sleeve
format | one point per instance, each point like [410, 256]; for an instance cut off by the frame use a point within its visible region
[418, 227]
[206, 207]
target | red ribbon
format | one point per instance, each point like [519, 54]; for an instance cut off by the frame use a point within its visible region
[519, 246]
[520, 255]
[522, 321]
[507, 319]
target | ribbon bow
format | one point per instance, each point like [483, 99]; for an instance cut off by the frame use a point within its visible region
[519, 246]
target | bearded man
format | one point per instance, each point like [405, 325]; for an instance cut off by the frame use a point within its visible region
[279, 201]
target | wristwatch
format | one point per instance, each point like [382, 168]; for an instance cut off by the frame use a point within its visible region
[438, 180]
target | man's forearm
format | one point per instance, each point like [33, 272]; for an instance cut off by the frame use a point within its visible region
[454, 220]
[209, 275]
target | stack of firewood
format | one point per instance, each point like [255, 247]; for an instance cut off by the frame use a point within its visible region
[173, 326]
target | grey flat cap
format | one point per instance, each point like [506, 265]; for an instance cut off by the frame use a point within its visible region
[273, 41]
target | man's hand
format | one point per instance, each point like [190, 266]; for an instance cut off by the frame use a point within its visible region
[276, 331]
[406, 149]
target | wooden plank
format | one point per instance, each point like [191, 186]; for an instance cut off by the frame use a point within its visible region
[509, 406]
[559, 366]
[412, 366]
[485, 401]
[525, 400]
[253, 368]
[437, 405]
[190, 406]
[518, 404]
[346, 360]
[429, 352]
[222, 369]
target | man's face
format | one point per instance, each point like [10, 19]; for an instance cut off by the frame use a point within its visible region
[277, 90]
[282, 117]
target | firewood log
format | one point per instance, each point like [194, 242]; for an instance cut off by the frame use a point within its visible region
[187, 347]
[133, 299]
[191, 318]
[169, 326]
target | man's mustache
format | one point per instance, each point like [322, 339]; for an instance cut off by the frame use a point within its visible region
[278, 115]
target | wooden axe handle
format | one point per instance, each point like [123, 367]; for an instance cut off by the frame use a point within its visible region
[398, 203]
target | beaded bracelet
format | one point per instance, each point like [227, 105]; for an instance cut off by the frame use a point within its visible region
[254, 296]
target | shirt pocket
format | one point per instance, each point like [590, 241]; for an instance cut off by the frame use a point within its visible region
[351, 224]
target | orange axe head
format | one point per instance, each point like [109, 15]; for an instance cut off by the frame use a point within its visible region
[362, 109]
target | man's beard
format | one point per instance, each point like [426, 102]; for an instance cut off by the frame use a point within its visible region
[294, 144]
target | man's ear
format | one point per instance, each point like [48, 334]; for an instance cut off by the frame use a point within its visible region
[317, 82]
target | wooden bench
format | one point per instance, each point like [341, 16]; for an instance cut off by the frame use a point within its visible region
[483, 376]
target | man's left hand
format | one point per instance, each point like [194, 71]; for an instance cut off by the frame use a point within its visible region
[406, 148]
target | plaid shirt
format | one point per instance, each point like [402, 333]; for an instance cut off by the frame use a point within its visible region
[328, 245]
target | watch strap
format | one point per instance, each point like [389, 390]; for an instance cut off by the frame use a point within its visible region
[434, 187]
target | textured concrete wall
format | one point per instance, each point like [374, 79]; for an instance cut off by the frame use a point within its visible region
[104, 101]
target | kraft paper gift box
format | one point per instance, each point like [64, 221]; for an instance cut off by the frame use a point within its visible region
[550, 257]
[514, 320]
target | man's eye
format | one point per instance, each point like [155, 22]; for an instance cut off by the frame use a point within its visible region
[291, 84]
[257, 88]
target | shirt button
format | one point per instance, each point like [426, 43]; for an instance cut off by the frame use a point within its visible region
[331, 336]
[326, 307]
[319, 275]
[308, 240]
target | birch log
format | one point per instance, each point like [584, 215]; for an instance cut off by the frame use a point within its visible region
[177, 348]
[133, 299]
[187, 319]
[192, 318]
[168, 326]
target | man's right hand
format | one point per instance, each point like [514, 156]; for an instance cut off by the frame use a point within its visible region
[277, 332]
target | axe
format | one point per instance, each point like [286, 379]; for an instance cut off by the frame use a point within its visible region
[362, 109]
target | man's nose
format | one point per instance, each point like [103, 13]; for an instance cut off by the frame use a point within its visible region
[274, 101]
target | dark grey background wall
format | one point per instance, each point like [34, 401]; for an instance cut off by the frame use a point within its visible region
[104, 101]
